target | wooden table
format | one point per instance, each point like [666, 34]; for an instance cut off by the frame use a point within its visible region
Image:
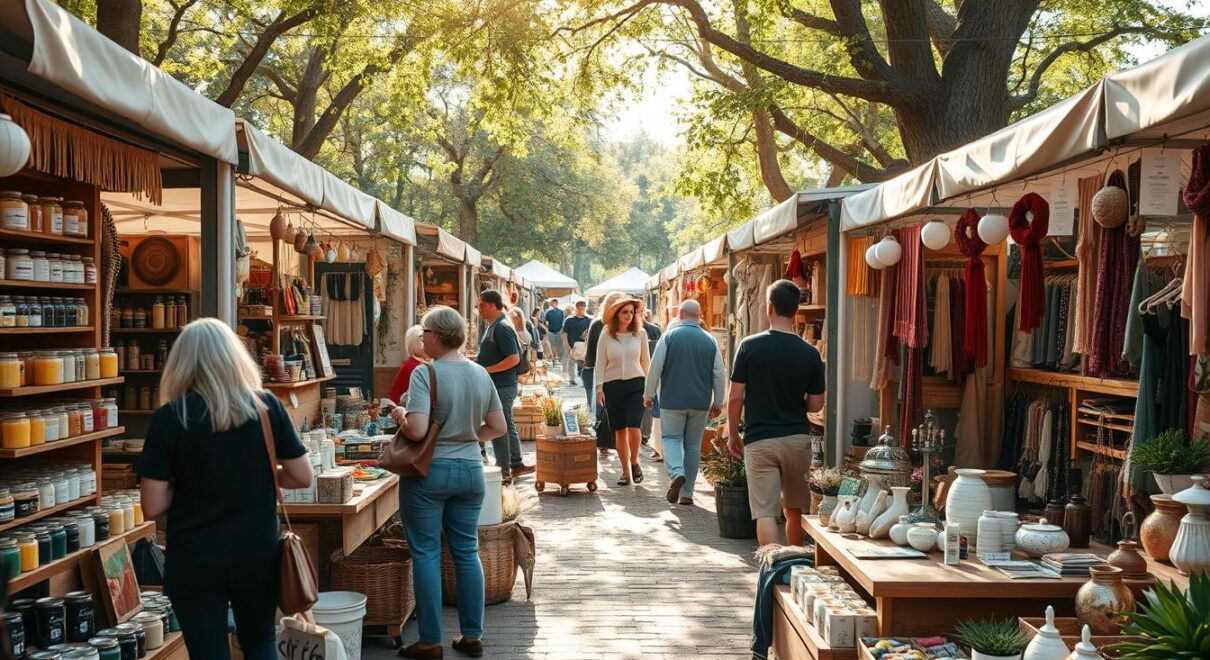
[924, 596]
[325, 528]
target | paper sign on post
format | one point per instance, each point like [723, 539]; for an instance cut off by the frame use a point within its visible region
[1062, 200]
[1160, 185]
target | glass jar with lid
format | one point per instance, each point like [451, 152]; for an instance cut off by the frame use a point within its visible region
[70, 319]
[46, 494]
[41, 266]
[81, 368]
[77, 269]
[75, 219]
[92, 364]
[88, 530]
[33, 310]
[11, 371]
[82, 313]
[3, 258]
[7, 509]
[75, 421]
[25, 499]
[14, 431]
[86, 417]
[18, 265]
[64, 422]
[51, 418]
[127, 317]
[8, 312]
[35, 212]
[37, 427]
[14, 211]
[56, 267]
[28, 545]
[140, 318]
[145, 398]
[52, 215]
[133, 356]
[69, 366]
[157, 313]
[48, 368]
[27, 367]
[88, 481]
[90, 271]
[22, 311]
[62, 487]
[112, 404]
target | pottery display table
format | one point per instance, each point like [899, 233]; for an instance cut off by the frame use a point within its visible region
[926, 597]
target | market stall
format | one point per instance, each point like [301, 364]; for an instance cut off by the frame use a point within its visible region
[550, 282]
[441, 267]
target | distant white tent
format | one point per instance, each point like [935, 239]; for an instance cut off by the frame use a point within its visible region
[545, 277]
[633, 281]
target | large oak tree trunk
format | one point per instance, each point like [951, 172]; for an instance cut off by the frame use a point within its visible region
[120, 20]
[468, 220]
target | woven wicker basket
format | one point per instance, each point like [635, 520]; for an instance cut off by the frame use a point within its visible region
[383, 574]
[498, 556]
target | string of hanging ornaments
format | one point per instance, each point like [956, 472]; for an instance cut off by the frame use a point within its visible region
[304, 243]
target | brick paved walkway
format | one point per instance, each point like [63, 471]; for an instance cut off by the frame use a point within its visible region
[620, 574]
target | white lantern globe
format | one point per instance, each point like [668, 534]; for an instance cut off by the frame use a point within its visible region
[935, 235]
[993, 228]
[871, 259]
[888, 251]
[14, 146]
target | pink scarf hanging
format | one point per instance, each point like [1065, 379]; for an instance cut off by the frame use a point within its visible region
[1028, 236]
[974, 335]
[911, 325]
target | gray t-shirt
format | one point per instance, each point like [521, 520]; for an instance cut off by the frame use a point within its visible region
[465, 395]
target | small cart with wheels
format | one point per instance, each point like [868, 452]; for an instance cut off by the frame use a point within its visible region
[565, 461]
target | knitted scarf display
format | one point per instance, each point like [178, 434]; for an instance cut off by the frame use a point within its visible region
[911, 324]
[1116, 261]
[974, 335]
[1195, 292]
[1028, 236]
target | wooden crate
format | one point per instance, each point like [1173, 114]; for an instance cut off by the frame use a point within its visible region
[529, 430]
[565, 462]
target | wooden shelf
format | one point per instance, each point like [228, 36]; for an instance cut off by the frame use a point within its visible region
[17, 522]
[71, 561]
[44, 239]
[141, 371]
[146, 331]
[60, 286]
[812, 308]
[1062, 263]
[1114, 386]
[156, 292]
[1107, 425]
[301, 383]
[173, 642]
[46, 331]
[59, 444]
[1094, 448]
[134, 412]
[34, 390]
[285, 318]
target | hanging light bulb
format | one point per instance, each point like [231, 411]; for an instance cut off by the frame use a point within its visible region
[935, 235]
[871, 259]
[993, 228]
[888, 251]
[14, 146]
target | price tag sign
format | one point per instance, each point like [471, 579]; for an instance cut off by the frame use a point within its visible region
[1161, 182]
[1062, 200]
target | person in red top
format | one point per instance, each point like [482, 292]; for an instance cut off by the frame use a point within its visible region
[415, 348]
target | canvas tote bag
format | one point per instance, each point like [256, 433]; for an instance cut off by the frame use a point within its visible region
[407, 458]
[299, 589]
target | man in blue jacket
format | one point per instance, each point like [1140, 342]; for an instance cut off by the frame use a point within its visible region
[687, 371]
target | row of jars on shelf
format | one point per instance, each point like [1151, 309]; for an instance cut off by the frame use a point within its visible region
[146, 397]
[43, 312]
[132, 356]
[38, 266]
[65, 628]
[26, 493]
[27, 547]
[46, 215]
[75, 365]
[166, 313]
[38, 426]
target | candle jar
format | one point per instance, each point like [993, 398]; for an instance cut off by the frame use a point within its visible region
[14, 212]
[52, 215]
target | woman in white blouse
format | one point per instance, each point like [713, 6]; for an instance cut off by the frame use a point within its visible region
[620, 374]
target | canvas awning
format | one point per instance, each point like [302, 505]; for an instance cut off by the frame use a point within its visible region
[396, 225]
[1169, 95]
[715, 250]
[907, 193]
[670, 272]
[348, 202]
[500, 270]
[542, 275]
[632, 281]
[473, 257]
[691, 260]
[776, 221]
[280, 166]
[80, 60]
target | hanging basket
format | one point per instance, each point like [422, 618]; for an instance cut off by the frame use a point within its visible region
[498, 555]
[383, 573]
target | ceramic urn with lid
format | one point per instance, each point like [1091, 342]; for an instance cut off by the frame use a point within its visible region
[1190, 551]
[1041, 538]
[1085, 650]
[1047, 644]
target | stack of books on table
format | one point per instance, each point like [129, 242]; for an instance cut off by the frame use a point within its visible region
[1071, 564]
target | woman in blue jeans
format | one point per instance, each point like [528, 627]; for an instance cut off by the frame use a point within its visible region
[449, 498]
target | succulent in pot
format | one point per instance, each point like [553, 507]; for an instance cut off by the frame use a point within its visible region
[1172, 460]
[1171, 624]
[992, 639]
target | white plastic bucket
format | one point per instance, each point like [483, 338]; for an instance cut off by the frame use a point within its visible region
[342, 612]
[492, 511]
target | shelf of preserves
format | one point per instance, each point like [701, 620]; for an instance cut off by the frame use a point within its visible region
[44, 513]
[146, 331]
[60, 286]
[35, 390]
[46, 331]
[71, 561]
[43, 239]
[132, 411]
[60, 444]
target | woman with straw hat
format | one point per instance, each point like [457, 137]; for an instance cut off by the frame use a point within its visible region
[620, 374]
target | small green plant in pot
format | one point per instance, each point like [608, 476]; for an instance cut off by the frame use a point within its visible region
[552, 415]
[1172, 460]
[730, 493]
[992, 639]
[1173, 624]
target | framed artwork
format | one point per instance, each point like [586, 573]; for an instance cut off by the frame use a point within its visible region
[323, 364]
[571, 423]
[118, 586]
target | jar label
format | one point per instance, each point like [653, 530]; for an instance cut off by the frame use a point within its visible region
[71, 224]
[14, 218]
[56, 221]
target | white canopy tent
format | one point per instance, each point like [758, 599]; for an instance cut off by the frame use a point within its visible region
[632, 281]
[545, 277]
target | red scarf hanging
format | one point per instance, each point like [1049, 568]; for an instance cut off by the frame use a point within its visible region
[974, 336]
[1028, 236]
[1197, 191]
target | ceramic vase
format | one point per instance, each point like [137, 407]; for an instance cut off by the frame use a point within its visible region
[1085, 650]
[1190, 551]
[968, 497]
[922, 536]
[1009, 522]
[899, 530]
[1159, 529]
[1101, 601]
[990, 538]
[1171, 484]
[1041, 538]
[1047, 644]
[1127, 558]
[881, 527]
[866, 518]
[845, 517]
[873, 488]
[975, 655]
[826, 506]
[1077, 521]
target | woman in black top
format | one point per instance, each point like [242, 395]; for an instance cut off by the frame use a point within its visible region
[205, 463]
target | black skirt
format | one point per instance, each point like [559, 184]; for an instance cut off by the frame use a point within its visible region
[624, 402]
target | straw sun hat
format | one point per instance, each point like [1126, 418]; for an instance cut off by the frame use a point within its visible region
[612, 310]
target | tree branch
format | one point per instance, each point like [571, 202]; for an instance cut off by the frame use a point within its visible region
[863, 54]
[1016, 102]
[941, 26]
[811, 21]
[283, 86]
[174, 30]
[861, 171]
[280, 25]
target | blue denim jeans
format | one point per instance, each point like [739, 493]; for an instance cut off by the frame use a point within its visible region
[448, 500]
[586, 376]
[682, 431]
[508, 446]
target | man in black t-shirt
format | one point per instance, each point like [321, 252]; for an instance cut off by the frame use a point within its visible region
[776, 379]
[500, 353]
[573, 328]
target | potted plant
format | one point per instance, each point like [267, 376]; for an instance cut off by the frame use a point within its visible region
[1172, 460]
[552, 415]
[730, 493]
[992, 639]
[1171, 624]
[825, 482]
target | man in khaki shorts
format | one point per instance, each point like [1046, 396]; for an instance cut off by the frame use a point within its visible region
[776, 379]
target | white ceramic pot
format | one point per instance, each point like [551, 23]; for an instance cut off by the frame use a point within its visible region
[845, 517]
[968, 497]
[975, 655]
[1171, 484]
[873, 488]
[826, 507]
[922, 536]
[1009, 522]
[881, 527]
[1041, 538]
[1190, 551]
[990, 538]
[899, 530]
[1047, 644]
[866, 518]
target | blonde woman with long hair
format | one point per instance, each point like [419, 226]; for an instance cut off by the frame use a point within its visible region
[206, 464]
[621, 366]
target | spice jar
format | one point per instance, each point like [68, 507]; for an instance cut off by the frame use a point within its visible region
[112, 404]
[157, 313]
[170, 312]
[92, 364]
[8, 312]
[52, 215]
[90, 271]
[12, 371]
[145, 398]
[64, 422]
[56, 267]
[18, 265]
[132, 357]
[53, 432]
[107, 361]
[14, 212]
[127, 317]
[86, 417]
[75, 219]
[34, 209]
[68, 359]
[130, 397]
[140, 318]
[41, 266]
[82, 317]
[2, 260]
[182, 313]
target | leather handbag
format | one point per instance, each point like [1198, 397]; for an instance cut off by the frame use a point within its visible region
[410, 458]
[299, 588]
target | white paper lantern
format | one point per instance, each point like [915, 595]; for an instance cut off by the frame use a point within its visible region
[888, 251]
[14, 146]
[993, 228]
[935, 235]
[871, 260]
